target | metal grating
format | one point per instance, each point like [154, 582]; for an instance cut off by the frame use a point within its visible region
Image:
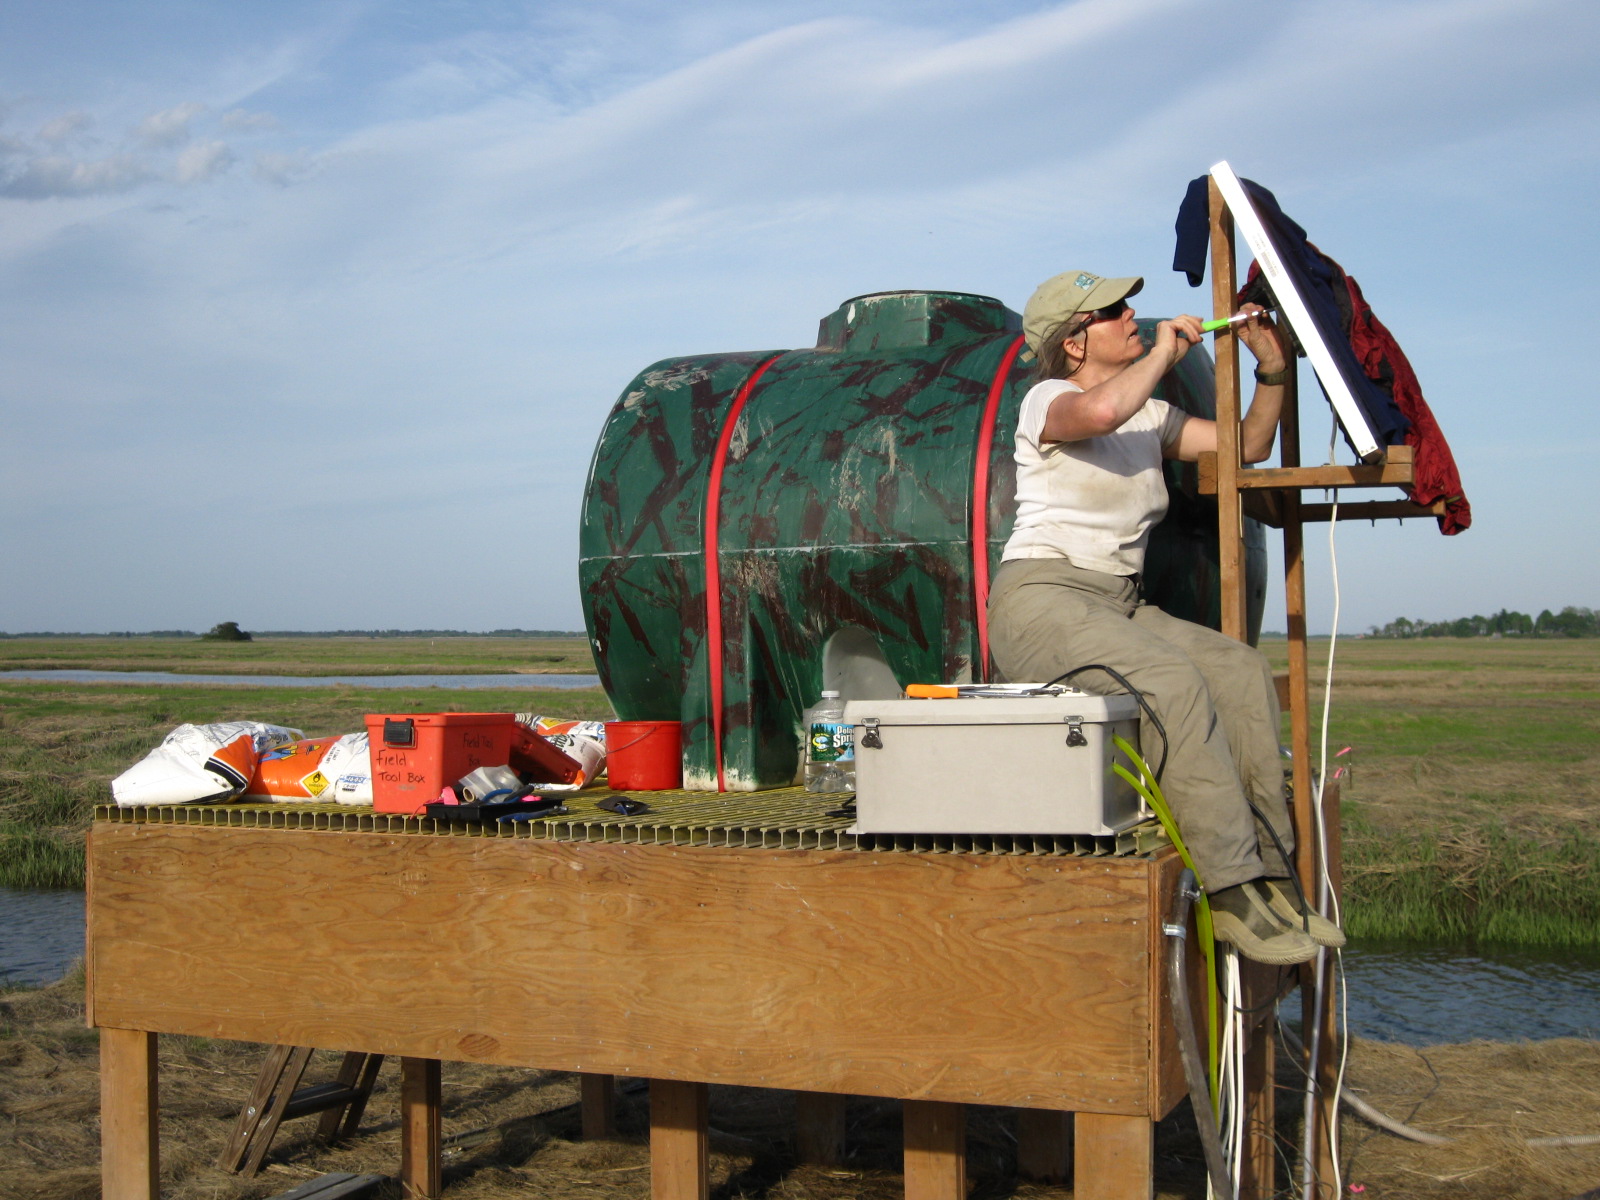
[779, 819]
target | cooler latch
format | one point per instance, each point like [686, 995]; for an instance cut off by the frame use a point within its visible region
[1075, 731]
[401, 732]
[872, 741]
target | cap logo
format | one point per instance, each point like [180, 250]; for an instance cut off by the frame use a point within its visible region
[1086, 281]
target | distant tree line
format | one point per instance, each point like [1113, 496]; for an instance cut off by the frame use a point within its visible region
[1569, 622]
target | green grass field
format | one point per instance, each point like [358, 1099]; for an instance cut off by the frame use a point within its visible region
[61, 744]
[303, 656]
[1471, 811]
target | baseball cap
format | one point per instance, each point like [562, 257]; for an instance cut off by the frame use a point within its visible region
[1063, 295]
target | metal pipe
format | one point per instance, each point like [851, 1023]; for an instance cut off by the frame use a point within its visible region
[1194, 1068]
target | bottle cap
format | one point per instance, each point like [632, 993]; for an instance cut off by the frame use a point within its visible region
[830, 695]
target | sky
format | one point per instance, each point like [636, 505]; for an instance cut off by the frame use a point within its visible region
[311, 312]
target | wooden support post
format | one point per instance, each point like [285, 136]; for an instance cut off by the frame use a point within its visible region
[1112, 1159]
[597, 1104]
[421, 1097]
[1044, 1145]
[819, 1127]
[935, 1135]
[679, 1166]
[130, 1160]
[1230, 529]
[1258, 1177]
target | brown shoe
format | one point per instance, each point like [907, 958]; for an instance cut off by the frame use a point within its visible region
[1284, 902]
[1241, 917]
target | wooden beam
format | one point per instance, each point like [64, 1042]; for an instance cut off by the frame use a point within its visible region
[935, 1134]
[1226, 462]
[819, 1127]
[1044, 1145]
[421, 1098]
[1112, 1158]
[1387, 474]
[130, 1157]
[597, 1103]
[1373, 510]
[680, 1167]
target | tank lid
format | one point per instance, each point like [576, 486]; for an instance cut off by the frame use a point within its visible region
[896, 320]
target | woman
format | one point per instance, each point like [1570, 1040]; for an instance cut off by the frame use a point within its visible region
[1090, 441]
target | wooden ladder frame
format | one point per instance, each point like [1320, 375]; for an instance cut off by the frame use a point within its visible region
[278, 1097]
[1273, 495]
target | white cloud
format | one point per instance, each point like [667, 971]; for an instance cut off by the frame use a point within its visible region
[170, 127]
[279, 168]
[65, 126]
[202, 161]
[243, 121]
[51, 176]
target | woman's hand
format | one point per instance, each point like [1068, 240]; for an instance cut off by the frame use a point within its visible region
[1261, 335]
[1174, 337]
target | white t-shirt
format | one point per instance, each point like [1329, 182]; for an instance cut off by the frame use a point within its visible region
[1091, 501]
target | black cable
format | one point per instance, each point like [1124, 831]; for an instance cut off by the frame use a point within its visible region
[1155, 721]
[1294, 876]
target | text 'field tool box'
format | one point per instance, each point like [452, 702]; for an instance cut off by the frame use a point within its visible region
[995, 764]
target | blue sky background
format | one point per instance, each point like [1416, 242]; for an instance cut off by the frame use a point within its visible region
[310, 313]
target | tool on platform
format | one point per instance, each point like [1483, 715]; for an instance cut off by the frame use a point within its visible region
[1232, 322]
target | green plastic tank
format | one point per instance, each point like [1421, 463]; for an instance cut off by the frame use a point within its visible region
[759, 525]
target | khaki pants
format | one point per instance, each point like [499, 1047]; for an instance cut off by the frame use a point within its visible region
[1215, 697]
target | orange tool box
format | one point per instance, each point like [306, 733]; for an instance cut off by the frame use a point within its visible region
[415, 754]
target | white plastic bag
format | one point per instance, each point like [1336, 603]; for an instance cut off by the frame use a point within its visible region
[200, 762]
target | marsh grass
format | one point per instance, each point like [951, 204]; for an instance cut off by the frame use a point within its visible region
[61, 745]
[1472, 811]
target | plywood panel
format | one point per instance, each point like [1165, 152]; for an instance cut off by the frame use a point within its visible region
[999, 980]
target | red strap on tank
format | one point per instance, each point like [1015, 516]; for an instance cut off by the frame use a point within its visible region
[980, 505]
[713, 561]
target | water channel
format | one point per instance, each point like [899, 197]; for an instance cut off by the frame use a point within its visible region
[1416, 995]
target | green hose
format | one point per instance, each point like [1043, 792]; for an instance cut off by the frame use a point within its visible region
[1151, 791]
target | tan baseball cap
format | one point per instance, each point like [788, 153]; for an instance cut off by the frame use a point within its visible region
[1063, 295]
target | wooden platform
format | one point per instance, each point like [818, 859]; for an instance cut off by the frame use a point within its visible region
[1026, 979]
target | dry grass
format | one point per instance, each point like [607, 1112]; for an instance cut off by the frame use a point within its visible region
[1491, 1098]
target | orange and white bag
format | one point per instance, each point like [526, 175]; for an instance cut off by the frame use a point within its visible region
[195, 763]
[328, 770]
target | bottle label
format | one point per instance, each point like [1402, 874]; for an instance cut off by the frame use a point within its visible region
[832, 741]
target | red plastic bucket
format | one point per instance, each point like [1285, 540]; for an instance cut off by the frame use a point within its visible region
[644, 756]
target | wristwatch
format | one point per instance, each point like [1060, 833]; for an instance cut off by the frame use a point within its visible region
[1277, 379]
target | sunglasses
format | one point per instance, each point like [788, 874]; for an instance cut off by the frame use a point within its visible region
[1109, 313]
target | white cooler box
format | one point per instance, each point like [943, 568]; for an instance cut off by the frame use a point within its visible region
[1012, 764]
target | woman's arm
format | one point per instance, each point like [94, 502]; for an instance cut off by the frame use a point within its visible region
[1258, 428]
[1107, 406]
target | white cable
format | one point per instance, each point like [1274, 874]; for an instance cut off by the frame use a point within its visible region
[1324, 899]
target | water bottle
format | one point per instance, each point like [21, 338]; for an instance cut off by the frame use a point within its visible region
[830, 747]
